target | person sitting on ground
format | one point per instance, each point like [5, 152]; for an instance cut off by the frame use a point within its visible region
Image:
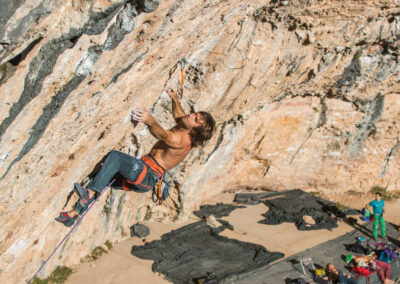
[367, 213]
[337, 276]
[141, 175]
[363, 260]
[370, 262]
[377, 207]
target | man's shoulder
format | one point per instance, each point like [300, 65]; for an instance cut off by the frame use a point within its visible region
[377, 203]
[185, 139]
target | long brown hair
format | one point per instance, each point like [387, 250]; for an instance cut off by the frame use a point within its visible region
[201, 134]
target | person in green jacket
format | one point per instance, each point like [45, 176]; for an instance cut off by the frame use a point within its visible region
[377, 209]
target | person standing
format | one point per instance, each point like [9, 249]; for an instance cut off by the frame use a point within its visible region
[377, 209]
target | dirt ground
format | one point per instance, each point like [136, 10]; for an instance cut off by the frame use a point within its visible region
[120, 266]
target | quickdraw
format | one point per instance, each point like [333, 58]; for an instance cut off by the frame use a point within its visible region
[182, 63]
[157, 196]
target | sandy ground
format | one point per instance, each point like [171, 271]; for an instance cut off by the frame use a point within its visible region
[119, 266]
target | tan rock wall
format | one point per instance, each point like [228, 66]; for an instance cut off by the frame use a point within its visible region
[294, 89]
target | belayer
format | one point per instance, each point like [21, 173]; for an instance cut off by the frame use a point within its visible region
[142, 175]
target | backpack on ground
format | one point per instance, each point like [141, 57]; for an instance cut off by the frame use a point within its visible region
[387, 255]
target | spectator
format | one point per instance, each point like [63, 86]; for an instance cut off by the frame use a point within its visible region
[377, 207]
[337, 276]
[370, 262]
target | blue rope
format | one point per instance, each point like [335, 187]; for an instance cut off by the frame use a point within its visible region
[70, 231]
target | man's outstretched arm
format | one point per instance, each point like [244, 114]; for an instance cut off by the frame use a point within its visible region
[177, 110]
[172, 139]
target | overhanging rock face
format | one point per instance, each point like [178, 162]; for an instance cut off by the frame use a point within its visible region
[305, 95]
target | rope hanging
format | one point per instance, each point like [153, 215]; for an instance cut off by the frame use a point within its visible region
[70, 231]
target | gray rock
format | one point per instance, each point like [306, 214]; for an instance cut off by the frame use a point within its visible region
[125, 17]
[7, 10]
[139, 230]
[147, 5]
[123, 25]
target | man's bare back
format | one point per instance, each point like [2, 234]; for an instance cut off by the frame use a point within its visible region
[169, 157]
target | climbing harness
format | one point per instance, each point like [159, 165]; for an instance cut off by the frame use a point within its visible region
[182, 63]
[70, 231]
[157, 169]
[149, 160]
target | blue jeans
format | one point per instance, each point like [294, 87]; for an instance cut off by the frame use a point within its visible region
[129, 167]
[345, 280]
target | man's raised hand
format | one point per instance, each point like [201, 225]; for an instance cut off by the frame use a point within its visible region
[142, 115]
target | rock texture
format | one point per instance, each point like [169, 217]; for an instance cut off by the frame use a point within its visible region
[306, 94]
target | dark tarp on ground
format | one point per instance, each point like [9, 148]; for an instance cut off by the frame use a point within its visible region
[291, 206]
[196, 249]
[254, 198]
[219, 210]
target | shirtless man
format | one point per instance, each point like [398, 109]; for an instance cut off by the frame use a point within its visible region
[142, 175]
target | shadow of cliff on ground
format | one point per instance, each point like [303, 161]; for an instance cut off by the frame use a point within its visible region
[295, 206]
[197, 250]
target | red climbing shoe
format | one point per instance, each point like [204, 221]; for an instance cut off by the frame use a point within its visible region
[65, 219]
[83, 193]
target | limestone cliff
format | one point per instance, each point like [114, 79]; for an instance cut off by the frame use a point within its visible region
[306, 94]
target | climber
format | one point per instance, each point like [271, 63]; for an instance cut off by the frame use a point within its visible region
[141, 175]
